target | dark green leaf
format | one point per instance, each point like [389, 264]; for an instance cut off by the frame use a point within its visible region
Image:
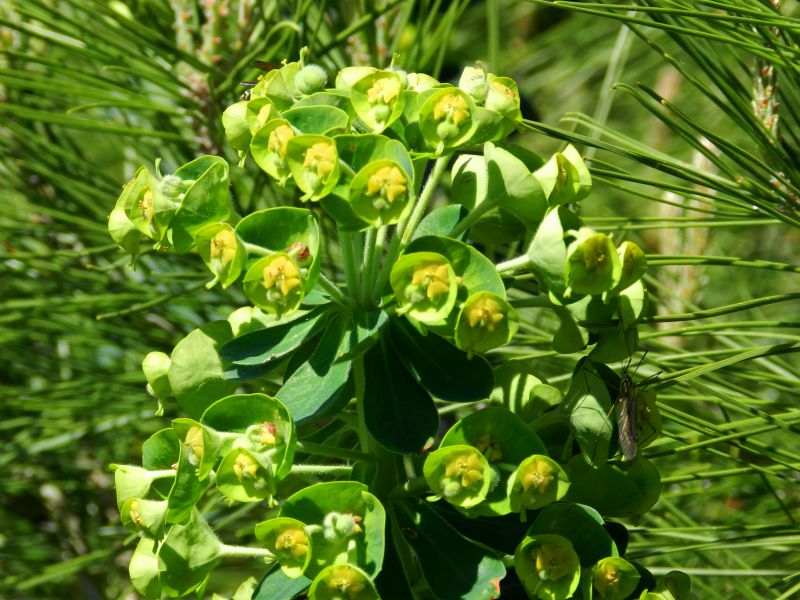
[442, 369]
[399, 413]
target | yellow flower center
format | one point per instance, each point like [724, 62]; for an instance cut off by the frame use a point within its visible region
[607, 579]
[223, 246]
[505, 90]
[268, 434]
[294, 541]
[552, 560]
[278, 139]
[146, 205]
[345, 580]
[245, 467]
[388, 182]
[321, 157]
[135, 515]
[434, 277]
[538, 475]
[384, 90]
[485, 313]
[466, 468]
[283, 273]
[484, 443]
[452, 107]
[194, 439]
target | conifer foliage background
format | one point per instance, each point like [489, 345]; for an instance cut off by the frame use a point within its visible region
[688, 111]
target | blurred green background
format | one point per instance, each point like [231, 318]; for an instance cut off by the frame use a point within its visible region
[91, 89]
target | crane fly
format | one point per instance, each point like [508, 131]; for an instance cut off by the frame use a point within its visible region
[633, 413]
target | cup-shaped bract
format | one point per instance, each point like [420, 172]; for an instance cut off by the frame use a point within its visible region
[634, 264]
[144, 516]
[314, 163]
[263, 422]
[380, 193]
[377, 99]
[237, 130]
[288, 540]
[143, 569]
[346, 78]
[246, 476]
[138, 198]
[274, 284]
[593, 265]
[445, 118]
[503, 97]
[614, 578]
[222, 251]
[547, 566]
[420, 82]
[342, 582]
[156, 371]
[485, 321]
[537, 482]
[131, 481]
[425, 286]
[269, 149]
[460, 474]
[202, 443]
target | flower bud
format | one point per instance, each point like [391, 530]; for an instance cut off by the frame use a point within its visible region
[473, 81]
[156, 370]
[337, 526]
[311, 78]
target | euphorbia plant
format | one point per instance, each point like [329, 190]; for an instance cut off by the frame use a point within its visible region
[335, 442]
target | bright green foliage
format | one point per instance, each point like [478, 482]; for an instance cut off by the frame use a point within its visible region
[370, 351]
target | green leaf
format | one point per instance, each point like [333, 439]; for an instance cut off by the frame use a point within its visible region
[271, 344]
[616, 491]
[188, 555]
[581, 525]
[317, 386]
[588, 405]
[186, 490]
[454, 567]
[398, 411]
[512, 186]
[196, 373]
[548, 249]
[161, 450]
[440, 221]
[445, 371]
[143, 569]
[366, 329]
[324, 504]
[322, 120]
[276, 585]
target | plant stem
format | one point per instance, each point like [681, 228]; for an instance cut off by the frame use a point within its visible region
[334, 451]
[367, 260]
[405, 229]
[374, 263]
[348, 260]
[515, 264]
[247, 552]
[333, 290]
[321, 469]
